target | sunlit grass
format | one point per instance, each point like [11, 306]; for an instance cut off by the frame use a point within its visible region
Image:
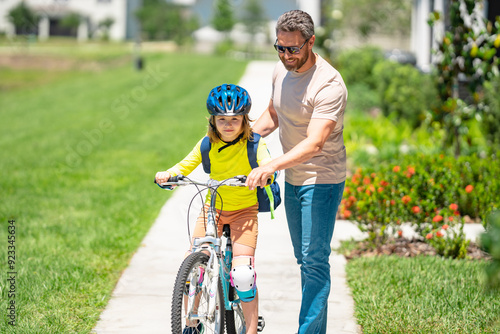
[78, 157]
[422, 295]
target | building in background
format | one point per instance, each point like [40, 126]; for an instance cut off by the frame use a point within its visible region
[91, 13]
[125, 25]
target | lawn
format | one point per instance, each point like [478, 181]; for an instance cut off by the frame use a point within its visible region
[79, 150]
[422, 295]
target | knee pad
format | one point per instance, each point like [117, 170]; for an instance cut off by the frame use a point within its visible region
[243, 279]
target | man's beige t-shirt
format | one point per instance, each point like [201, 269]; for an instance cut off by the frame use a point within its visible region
[319, 92]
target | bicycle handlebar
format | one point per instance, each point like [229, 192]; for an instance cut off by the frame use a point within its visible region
[179, 180]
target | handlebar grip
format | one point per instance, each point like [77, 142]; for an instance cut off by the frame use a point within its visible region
[241, 178]
[176, 178]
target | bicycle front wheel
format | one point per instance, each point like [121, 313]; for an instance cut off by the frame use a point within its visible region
[192, 299]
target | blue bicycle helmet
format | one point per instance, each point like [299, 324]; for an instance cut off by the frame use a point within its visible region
[228, 100]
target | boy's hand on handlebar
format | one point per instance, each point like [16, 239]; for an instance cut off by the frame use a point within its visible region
[162, 177]
[259, 177]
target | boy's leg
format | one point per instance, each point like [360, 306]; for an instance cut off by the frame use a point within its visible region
[244, 231]
[241, 256]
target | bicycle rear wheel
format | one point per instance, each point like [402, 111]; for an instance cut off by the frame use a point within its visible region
[191, 310]
[235, 320]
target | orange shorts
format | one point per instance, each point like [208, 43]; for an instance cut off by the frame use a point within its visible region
[243, 224]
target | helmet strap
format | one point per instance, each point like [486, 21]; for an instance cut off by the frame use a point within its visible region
[231, 143]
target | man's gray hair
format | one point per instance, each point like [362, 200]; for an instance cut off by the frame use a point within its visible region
[296, 20]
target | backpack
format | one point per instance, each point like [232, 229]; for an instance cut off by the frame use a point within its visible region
[263, 194]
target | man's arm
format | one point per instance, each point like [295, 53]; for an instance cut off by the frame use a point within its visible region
[267, 122]
[318, 132]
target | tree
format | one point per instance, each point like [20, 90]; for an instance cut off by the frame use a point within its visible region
[254, 19]
[384, 16]
[468, 49]
[105, 25]
[23, 18]
[165, 21]
[71, 22]
[223, 19]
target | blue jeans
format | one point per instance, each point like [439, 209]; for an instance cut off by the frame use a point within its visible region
[311, 212]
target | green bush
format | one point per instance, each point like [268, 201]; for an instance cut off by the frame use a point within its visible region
[491, 116]
[405, 92]
[24, 19]
[490, 241]
[431, 192]
[356, 65]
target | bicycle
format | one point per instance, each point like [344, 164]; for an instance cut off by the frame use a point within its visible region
[202, 290]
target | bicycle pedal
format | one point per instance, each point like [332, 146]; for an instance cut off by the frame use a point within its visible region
[261, 324]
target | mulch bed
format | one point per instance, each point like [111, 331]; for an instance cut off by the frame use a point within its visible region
[407, 248]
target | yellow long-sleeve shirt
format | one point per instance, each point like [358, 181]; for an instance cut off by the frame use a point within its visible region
[231, 161]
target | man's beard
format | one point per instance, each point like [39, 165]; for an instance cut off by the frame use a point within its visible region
[300, 62]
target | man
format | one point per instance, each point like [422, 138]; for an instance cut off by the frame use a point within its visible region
[307, 103]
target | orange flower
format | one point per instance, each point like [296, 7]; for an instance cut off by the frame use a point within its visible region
[415, 209]
[428, 236]
[366, 180]
[439, 234]
[450, 219]
[384, 183]
[393, 202]
[453, 207]
[469, 188]
[400, 233]
[347, 214]
[406, 199]
[410, 170]
[437, 218]
[380, 189]
[396, 169]
[445, 227]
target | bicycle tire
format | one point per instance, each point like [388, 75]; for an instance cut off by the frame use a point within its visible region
[190, 269]
[235, 320]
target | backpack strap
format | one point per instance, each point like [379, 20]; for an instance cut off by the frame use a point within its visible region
[252, 146]
[205, 157]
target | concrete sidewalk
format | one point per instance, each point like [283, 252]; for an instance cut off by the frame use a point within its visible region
[140, 303]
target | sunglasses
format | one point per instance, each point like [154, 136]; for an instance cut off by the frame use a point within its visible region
[291, 49]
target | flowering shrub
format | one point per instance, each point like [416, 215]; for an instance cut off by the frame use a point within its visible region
[432, 192]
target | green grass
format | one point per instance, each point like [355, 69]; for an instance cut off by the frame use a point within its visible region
[422, 295]
[78, 158]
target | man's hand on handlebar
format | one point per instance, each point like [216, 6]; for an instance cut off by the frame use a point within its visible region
[259, 177]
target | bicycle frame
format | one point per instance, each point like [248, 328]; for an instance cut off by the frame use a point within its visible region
[220, 257]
